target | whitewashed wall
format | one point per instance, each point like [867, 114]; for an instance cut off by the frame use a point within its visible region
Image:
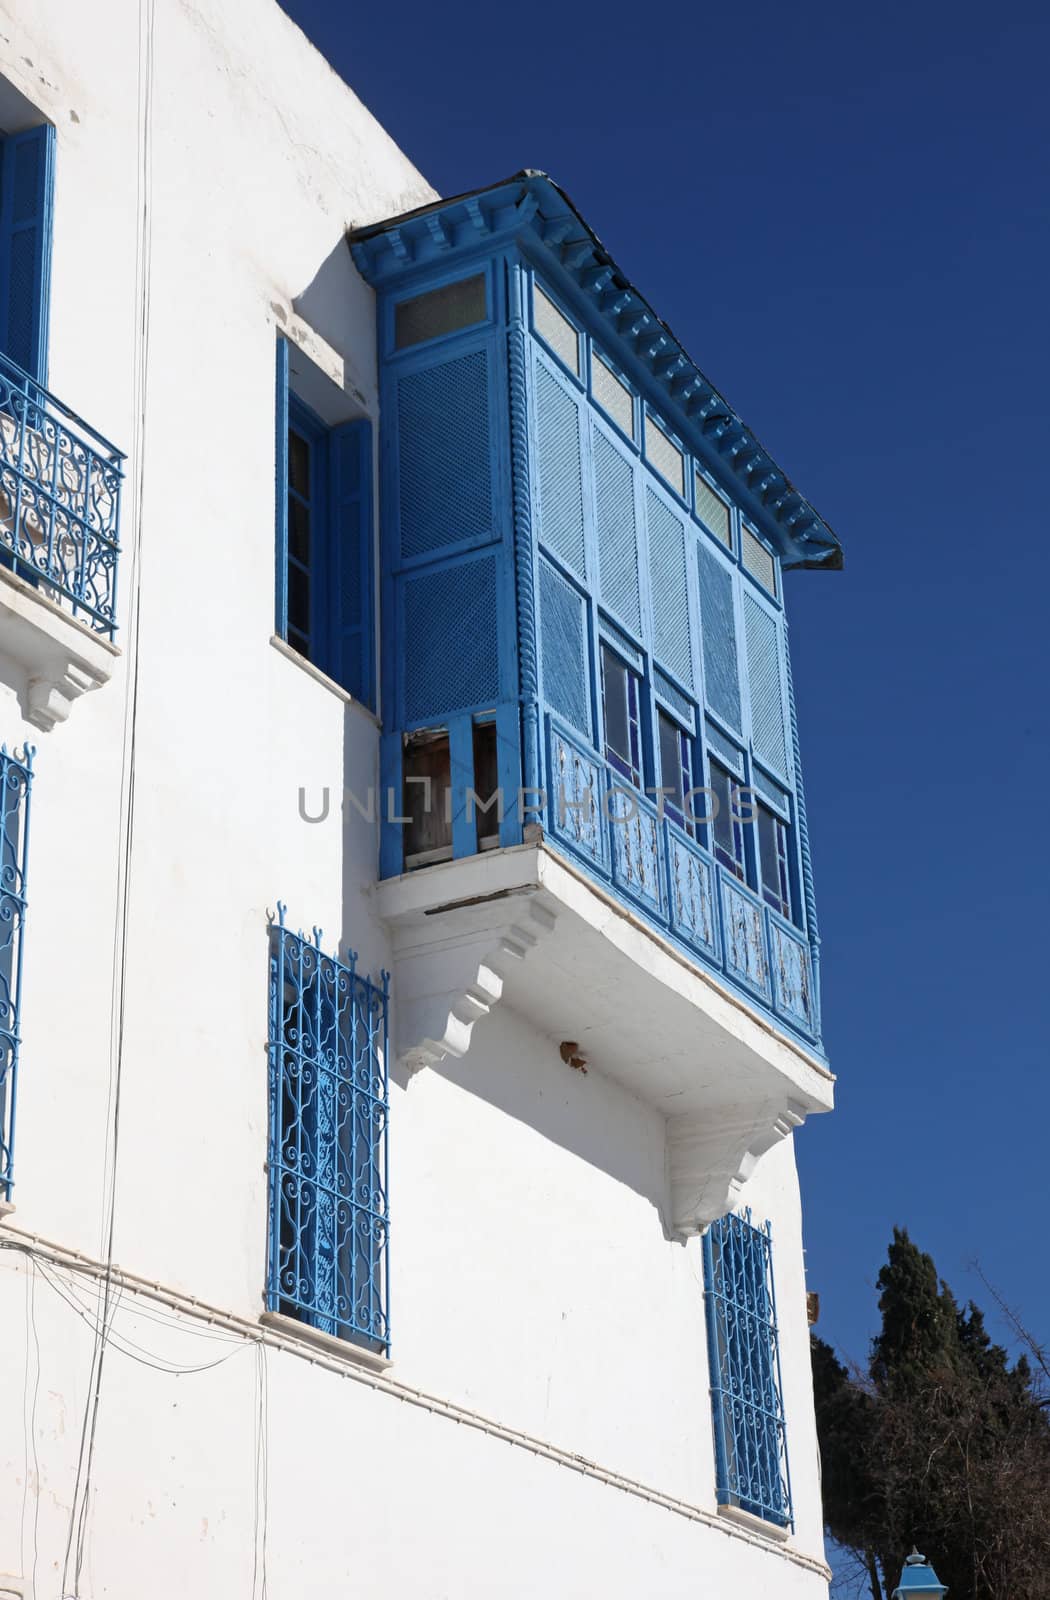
[535, 1291]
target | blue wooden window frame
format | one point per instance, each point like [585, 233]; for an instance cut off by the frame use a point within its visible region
[27, 198]
[675, 748]
[597, 355]
[743, 1347]
[727, 828]
[628, 763]
[772, 847]
[392, 352]
[16, 783]
[443, 295]
[329, 1218]
[338, 568]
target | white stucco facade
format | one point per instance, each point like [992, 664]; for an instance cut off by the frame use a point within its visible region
[544, 1425]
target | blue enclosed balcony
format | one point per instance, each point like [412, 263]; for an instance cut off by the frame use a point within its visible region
[586, 693]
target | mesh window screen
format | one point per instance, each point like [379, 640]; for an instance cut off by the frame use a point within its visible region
[617, 534]
[720, 746]
[555, 328]
[718, 637]
[558, 470]
[664, 456]
[612, 395]
[763, 670]
[673, 697]
[669, 584]
[441, 311]
[445, 475]
[563, 642]
[758, 561]
[713, 512]
[451, 651]
[770, 791]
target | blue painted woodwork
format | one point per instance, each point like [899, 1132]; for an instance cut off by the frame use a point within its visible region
[551, 491]
[744, 1359]
[329, 1216]
[16, 783]
[27, 167]
[60, 484]
[918, 1577]
[324, 605]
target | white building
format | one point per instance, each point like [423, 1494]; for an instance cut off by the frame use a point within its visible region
[522, 542]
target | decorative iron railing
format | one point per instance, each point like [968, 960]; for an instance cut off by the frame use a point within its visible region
[621, 838]
[16, 782]
[329, 1219]
[744, 1355]
[59, 500]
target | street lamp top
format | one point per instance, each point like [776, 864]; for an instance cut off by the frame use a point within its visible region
[918, 1578]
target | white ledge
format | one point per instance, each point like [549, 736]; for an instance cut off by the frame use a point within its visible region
[60, 657]
[356, 1354]
[747, 1519]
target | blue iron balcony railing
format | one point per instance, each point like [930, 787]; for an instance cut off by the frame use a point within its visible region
[60, 484]
[16, 782]
[622, 839]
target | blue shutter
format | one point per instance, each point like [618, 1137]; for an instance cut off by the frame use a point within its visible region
[718, 637]
[765, 690]
[26, 205]
[281, 491]
[350, 536]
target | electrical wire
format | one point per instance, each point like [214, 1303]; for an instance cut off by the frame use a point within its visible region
[81, 1500]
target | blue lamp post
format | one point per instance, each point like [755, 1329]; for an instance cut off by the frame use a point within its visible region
[918, 1578]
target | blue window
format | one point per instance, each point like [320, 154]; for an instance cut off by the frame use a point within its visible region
[329, 1222]
[620, 707]
[16, 779]
[744, 1356]
[26, 205]
[676, 771]
[324, 539]
[726, 824]
[773, 859]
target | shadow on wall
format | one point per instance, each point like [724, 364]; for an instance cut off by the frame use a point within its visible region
[361, 930]
[521, 1073]
[339, 305]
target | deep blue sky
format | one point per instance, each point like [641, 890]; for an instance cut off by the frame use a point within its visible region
[842, 211]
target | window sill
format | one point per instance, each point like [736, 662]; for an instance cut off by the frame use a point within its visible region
[355, 1354]
[6, 1209]
[747, 1519]
[61, 658]
[283, 648]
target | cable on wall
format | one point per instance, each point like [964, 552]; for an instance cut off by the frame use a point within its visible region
[81, 1501]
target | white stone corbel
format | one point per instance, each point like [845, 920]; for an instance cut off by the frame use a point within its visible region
[60, 658]
[711, 1157]
[444, 987]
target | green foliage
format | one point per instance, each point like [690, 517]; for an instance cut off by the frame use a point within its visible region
[941, 1443]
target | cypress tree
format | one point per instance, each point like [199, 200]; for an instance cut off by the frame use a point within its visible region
[942, 1442]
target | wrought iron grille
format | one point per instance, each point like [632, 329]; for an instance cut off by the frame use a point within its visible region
[743, 1350]
[329, 1220]
[59, 500]
[16, 782]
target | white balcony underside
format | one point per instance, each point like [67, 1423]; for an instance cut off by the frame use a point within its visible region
[60, 657]
[522, 928]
